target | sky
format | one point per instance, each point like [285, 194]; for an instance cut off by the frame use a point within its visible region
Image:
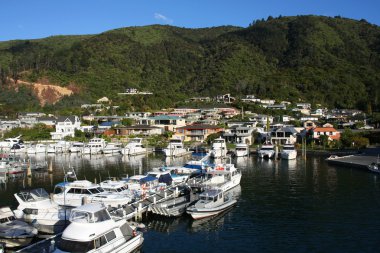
[31, 19]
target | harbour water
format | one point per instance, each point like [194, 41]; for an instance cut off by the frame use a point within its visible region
[285, 206]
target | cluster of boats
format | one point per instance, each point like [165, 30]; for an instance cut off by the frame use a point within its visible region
[94, 146]
[93, 217]
[268, 151]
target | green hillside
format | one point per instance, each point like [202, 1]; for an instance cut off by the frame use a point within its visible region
[331, 61]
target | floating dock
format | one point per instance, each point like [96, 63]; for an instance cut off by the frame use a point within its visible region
[353, 161]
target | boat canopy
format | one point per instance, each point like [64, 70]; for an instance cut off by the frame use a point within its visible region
[33, 195]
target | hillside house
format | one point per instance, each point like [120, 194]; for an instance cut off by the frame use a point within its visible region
[284, 135]
[65, 126]
[196, 132]
[240, 133]
[331, 132]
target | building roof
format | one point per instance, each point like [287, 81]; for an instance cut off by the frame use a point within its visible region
[165, 117]
[139, 127]
[191, 127]
[64, 118]
[324, 129]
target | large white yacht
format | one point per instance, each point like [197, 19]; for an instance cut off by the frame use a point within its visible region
[14, 233]
[266, 151]
[288, 152]
[219, 148]
[9, 142]
[241, 150]
[134, 147]
[36, 207]
[95, 146]
[93, 230]
[175, 148]
[76, 147]
[112, 148]
[80, 192]
[224, 176]
[37, 149]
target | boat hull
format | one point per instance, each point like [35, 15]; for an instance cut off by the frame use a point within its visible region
[200, 213]
[16, 242]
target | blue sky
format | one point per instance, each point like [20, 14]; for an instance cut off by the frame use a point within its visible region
[29, 19]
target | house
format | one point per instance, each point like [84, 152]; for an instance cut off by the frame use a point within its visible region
[48, 121]
[250, 99]
[200, 99]
[275, 107]
[168, 123]
[308, 124]
[331, 132]
[284, 135]
[144, 130]
[137, 115]
[240, 132]
[6, 125]
[267, 102]
[108, 125]
[65, 126]
[303, 106]
[196, 132]
[262, 119]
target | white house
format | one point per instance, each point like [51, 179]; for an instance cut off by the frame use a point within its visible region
[65, 127]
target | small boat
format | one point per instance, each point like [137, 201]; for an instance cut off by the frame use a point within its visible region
[92, 229]
[211, 202]
[241, 150]
[375, 166]
[134, 147]
[176, 206]
[141, 184]
[175, 148]
[36, 207]
[112, 148]
[288, 152]
[14, 233]
[219, 148]
[266, 151]
[59, 147]
[18, 148]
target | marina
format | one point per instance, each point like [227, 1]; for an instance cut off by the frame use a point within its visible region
[276, 195]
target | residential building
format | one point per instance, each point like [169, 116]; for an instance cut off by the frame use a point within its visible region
[240, 132]
[65, 126]
[284, 135]
[331, 132]
[144, 130]
[196, 132]
[250, 99]
[6, 125]
[168, 123]
[48, 121]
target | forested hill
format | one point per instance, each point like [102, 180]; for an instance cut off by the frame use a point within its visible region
[330, 61]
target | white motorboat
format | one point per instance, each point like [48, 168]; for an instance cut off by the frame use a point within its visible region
[95, 146]
[112, 148]
[223, 176]
[219, 148]
[18, 148]
[288, 152]
[175, 148]
[36, 207]
[134, 147]
[178, 174]
[211, 202]
[241, 150]
[93, 230]
[266, 151]
[141, 184]
[14, 233]
[8, 143]
[37, 149]
[76, 147]
[81, 192]
[162, 175]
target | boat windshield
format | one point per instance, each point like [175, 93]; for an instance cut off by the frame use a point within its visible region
[75, 246]
[6, 219]
[266, 148]
[288, 148]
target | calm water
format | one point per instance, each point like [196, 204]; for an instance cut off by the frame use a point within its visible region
[295, 206]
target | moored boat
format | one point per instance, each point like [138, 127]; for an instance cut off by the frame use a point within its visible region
[211, 202]
[241, 150]
[219, 148]
[266, 151]
[288, 152]
[93, 230]
[14, 233]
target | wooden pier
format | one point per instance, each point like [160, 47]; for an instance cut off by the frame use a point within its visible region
[353, 161]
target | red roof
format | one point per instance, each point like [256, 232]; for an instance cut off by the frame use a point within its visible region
[325, 129]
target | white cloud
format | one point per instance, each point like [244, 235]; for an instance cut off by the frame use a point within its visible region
[163, 18]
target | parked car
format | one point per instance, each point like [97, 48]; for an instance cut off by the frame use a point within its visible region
[366, 127]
